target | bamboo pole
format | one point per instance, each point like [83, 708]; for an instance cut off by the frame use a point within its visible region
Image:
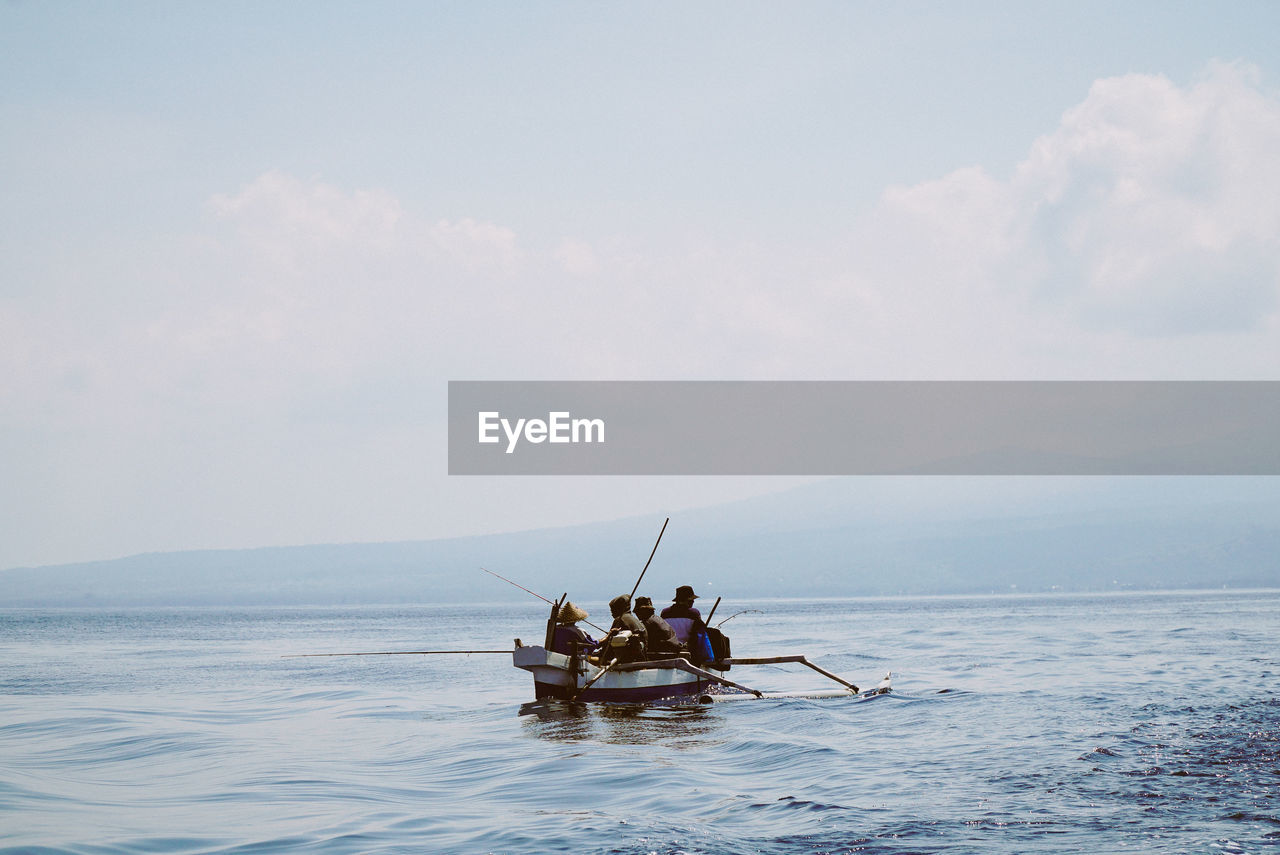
[651, 553]
[394, 653]
[775, 660]
[539, 596]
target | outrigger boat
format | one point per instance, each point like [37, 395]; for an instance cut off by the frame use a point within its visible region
[576, 677]
[580, 676]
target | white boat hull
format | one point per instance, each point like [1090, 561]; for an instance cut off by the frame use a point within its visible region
[554, 679]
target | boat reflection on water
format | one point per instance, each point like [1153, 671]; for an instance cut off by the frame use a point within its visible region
[567, 721]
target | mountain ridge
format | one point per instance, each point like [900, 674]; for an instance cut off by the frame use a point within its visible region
[841, 537]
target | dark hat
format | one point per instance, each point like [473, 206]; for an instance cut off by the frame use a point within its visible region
[643, 603]
[620, 603]
[685, 592]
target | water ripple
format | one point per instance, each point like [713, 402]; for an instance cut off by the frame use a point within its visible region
[1135, 723]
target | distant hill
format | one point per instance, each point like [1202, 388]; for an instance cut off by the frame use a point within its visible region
[843, 537]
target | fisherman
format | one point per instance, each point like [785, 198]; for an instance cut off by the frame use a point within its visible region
[681, 615]
[623, 621]
[567, 634]
[660, 638]
[686, 622]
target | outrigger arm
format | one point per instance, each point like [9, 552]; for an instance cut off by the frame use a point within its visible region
[775, 660]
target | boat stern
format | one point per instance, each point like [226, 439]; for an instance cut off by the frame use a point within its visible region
[552, 676]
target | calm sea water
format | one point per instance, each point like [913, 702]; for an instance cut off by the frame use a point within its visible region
[1110, 723]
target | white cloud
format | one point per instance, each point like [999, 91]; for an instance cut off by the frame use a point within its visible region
[577, 257]
[277, 206]
[1152, 209]
[1140, 238]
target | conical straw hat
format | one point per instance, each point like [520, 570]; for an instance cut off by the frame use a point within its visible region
[569, 613]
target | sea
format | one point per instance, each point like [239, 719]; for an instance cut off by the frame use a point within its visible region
[1119, 722]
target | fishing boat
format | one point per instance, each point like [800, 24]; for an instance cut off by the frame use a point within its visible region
[606, 674]
[611, 673]
[579, 677]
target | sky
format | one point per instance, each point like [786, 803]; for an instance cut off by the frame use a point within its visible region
[244, 247]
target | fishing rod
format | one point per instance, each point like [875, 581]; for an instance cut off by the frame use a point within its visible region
[521, 587]
[539, 596]
[646, 564]
[393, 653]
[735, 614]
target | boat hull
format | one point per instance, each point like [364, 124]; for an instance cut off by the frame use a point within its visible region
[555, 678]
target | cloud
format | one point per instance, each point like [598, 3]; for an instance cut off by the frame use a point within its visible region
[278, 209]
[577, 257]
[304, 226]
[1140, 237]
[1152, 210]
[292, 345]
[292, 292]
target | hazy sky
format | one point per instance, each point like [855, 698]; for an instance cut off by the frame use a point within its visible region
[244, 246]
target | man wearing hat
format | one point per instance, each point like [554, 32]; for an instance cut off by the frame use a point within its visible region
[623, 619]
[567, 633]
[661, 638]
[683, 618]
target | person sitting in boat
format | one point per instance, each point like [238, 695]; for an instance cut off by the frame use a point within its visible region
[660, 638]
[623, 621]
[567, 634]
[686, 622]
[681, 615]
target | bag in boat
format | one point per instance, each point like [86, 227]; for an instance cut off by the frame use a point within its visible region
[719, 646]
[700, 649]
